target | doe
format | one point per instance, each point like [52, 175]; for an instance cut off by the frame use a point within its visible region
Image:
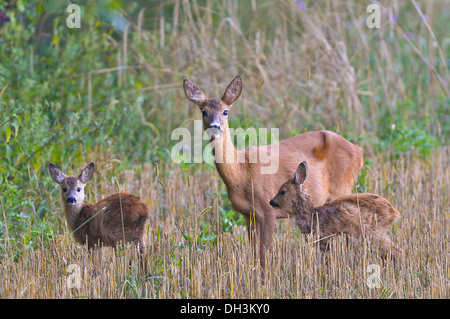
[353, 214]
[333, 161]
[119, 217]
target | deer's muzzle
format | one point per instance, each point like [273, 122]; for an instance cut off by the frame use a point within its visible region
[71, 200]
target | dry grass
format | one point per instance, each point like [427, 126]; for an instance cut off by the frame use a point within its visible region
[182, 265]
[320, 68]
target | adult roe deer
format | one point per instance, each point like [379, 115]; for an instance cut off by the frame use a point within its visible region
[101, 222]
[353, 214]
[333, 160]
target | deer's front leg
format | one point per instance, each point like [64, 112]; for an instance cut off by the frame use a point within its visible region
[252, 230]
[267, 229]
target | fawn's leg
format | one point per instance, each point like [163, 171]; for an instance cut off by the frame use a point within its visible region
[388, 246]
[142, 257]
[323, 244]
[95, 252]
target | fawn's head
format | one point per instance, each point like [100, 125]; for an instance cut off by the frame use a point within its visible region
[72, 187]
[214, 111]
[292, 191]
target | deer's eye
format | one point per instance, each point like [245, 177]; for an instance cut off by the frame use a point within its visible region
[225, 112]
[78, 189]
[283, 192]
[204, 113]
[64, 189]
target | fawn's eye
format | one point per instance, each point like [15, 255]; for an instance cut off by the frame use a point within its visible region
[78, 189]
[225, 112]
[283, 192]
[204, 113]
[64, 189]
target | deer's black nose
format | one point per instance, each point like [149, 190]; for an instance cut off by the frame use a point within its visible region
[71, 200]
[214, 126]
[272, 203]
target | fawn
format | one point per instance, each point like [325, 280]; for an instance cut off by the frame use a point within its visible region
[116, 218]
[352, 214]
[332, 158]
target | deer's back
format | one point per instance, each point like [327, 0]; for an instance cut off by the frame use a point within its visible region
[107, 226]
[347, 213]
[331, 161]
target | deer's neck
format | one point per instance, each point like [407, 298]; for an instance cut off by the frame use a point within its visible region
[305, 214]
[226, 160]
[73, 213]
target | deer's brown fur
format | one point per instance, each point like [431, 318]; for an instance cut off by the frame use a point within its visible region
[101, 222]
[333, 161]
[353, 214]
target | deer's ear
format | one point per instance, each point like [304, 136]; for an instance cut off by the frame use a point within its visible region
[301, 173]
[233, 91]
[56, 174]
[87, 174]
[193, 93]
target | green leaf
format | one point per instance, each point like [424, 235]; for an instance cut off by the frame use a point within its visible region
[8, 133]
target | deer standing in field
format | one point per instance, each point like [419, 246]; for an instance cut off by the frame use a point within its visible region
[333, 160]
[114, 219]
[353, 214]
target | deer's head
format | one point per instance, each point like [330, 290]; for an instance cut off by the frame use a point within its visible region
[214, 111]
[292, 191]
[72, 187]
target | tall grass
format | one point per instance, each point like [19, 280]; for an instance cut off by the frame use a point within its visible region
[187, 261]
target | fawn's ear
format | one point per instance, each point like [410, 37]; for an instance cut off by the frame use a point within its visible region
[301, 173]
[193, 93]
[87, 174]
[57, 175]
[233, 91]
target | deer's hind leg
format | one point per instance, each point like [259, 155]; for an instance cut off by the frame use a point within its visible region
[387, 245]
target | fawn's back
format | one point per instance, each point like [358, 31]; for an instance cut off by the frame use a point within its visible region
[106, 227]
[356, 212]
